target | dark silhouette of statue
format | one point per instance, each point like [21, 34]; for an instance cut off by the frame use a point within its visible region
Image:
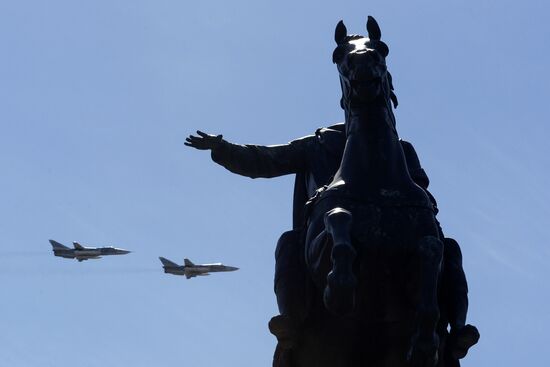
[366, 276]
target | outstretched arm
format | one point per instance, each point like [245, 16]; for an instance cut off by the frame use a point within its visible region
[253, 160]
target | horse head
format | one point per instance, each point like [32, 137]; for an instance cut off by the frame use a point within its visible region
[361, 63]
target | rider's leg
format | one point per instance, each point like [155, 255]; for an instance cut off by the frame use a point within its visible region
[426, 265]
[454, 287]
[454, 290]
[290, 289]
[339, 296]
[290, 277]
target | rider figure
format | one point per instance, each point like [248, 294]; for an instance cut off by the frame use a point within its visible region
[314, 159]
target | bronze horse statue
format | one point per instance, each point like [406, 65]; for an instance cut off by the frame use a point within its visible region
[372, 249]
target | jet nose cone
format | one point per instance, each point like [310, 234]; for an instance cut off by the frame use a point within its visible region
[232, 268]
[123, 252]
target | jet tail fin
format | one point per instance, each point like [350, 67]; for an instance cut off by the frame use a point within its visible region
[78, 246]
[57, 246]
[188, 262]
[167, 262]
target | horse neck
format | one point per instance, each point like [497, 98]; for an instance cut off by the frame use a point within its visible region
[373, 162]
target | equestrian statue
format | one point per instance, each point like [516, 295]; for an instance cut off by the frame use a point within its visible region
[366, 277]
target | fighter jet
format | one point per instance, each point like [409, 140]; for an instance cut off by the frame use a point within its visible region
[82, 253]
[191, 270]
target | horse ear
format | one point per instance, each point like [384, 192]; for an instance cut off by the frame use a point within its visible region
[383, 48]
[340, 33]
[337, 55]
[373, 29]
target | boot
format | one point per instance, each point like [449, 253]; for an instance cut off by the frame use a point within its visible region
[461, 340]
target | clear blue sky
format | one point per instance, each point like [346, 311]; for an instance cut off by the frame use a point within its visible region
[97, 97]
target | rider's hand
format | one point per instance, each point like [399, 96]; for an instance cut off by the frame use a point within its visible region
[204, 141]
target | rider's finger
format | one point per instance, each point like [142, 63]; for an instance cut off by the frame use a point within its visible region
[194, 144]
[204, 135]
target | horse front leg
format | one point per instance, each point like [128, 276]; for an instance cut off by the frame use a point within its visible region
[339, 294]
